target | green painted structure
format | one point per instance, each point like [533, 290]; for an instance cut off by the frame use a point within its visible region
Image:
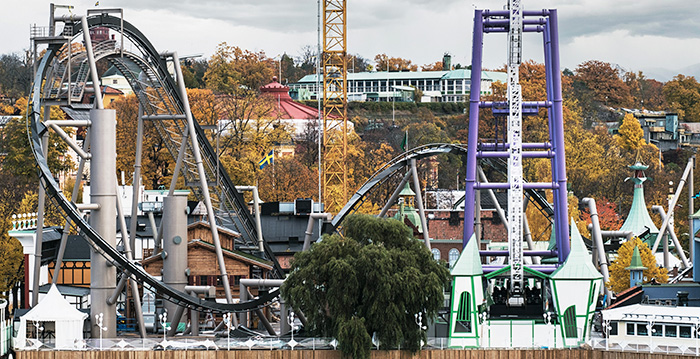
[558, 308]
[638, 218]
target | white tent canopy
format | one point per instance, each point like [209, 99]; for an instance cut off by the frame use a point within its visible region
[55, 313]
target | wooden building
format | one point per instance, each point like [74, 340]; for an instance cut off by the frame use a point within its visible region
[202, 262]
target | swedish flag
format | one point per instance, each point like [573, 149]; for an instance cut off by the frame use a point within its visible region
[267, 160]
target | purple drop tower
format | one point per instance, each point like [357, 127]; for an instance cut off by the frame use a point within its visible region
[545, 22]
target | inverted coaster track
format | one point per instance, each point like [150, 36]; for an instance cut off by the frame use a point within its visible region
[148, 75]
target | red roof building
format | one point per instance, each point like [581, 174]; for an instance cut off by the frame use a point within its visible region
[293, 114]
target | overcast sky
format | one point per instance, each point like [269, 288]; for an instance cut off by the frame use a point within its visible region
[661, 38]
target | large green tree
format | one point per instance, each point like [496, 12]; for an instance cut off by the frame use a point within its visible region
[371, 281]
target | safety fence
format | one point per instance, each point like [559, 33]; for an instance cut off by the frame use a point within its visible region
[658, 347]
[334, 354]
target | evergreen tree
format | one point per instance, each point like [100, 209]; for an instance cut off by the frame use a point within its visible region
[370, 282]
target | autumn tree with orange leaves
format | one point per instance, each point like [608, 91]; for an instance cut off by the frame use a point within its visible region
[393, 64]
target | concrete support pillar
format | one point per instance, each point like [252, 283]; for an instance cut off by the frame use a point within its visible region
[174, 245]
[103, 192]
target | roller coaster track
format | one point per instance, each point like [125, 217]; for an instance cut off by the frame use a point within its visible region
[158, 95]
[402, 161]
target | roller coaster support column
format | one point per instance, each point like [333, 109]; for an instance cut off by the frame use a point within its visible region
[103, 193]
[477, 47]
[672, 207]
[256, 211]
[126, 240]
[136, 182]
[202, 177]
[174, 246]
[557, 136]
[73, 198]
[310, 227]
[598, 246]
[419, 203]
[662, 213]
[40, 221]
[394, 195]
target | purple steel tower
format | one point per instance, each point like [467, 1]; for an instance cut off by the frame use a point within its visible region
[545, 22]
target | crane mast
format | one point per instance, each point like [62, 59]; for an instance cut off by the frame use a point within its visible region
[335, 97]
[515, 168]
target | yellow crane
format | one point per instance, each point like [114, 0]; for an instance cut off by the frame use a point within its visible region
[335, 99]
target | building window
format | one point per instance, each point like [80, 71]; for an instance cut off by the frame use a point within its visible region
[570, 322]
[630, 328]
[657, 330]
[671, 331]
[436, 253]
[453, 255]
[684, 331]
[642, 330]
[463, 323]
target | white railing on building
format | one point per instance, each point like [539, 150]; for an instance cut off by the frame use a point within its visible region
[24, 221]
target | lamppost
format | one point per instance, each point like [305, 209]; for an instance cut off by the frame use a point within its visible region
[164, 323]
[290, 320]
[651, 331]
[421, 327]
[39, 328]
[483, 316]
[606, 328]
[229, 325]
[550, 326]
[99, 319]
[696, 327]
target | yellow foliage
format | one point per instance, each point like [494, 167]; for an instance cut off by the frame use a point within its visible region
[631, 135]
[620, 277]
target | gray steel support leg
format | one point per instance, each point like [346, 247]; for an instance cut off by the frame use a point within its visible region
[265, 322]
[127, 240]
[136, 182]
[174, 320]
[157, 245]
[284, 317]
[262, 317]
[499, 209]
[194, 322]
[174, 224]
[394, 195]
[672, 206]
[119, 289]
[691, 209]
[597, 239]
[40, 221]
[528, 238]
[310, 227]
[173, 182]
[202, 179]
[73, 198]
[103, 193]
[243, 297]
[676, 243]
[419, 203]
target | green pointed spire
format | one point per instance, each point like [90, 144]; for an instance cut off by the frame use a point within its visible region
[578, 264]
[469, 261]
[638, 218]
[636, 262]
